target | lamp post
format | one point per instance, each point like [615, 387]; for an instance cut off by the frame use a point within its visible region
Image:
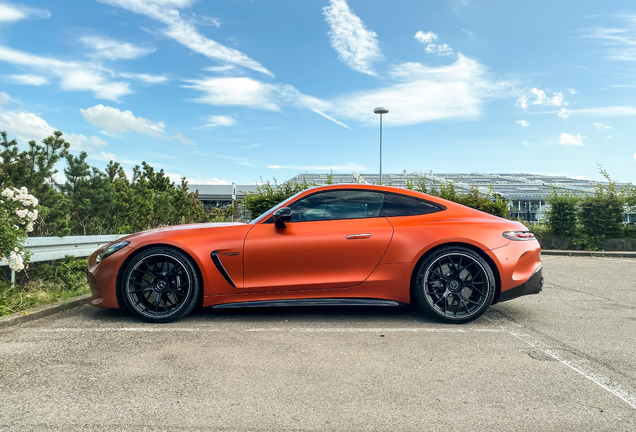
[381, 110]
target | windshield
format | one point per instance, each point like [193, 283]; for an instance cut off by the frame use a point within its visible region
[283, 204]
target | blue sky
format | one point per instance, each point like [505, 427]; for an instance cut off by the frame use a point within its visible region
[232, 91]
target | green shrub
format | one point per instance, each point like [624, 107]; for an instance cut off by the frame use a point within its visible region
[562, 214]
[268, 195]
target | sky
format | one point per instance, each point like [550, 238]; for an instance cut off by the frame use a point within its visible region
[250, 90]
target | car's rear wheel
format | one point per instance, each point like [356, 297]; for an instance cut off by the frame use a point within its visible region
[454, 284]
[160, 284]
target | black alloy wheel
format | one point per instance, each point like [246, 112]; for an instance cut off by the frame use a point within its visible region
[160, 285]
[455, 284]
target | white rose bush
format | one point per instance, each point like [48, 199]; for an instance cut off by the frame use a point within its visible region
[18, 214]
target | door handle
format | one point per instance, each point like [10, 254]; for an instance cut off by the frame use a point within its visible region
[358, 236]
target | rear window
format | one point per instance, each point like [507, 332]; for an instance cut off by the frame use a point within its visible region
[400, 205]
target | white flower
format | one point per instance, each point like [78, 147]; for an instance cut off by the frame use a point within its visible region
[32, 215]
[22, 213]
[16, 227]
[16, 249]
[29, 227]
[16, 262]
[24, 191]
[7, 193]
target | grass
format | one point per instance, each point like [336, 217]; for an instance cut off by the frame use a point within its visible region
[20, 298]
[44, 283]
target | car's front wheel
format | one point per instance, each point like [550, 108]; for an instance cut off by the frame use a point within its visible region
[454, 284]
[160, 284]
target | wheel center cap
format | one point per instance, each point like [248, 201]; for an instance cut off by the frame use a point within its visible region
[161, 285]
[454, 286]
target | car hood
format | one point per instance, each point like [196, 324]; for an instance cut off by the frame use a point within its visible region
[195, 226]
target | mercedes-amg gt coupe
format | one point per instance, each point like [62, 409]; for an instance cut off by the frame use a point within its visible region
[329, 245]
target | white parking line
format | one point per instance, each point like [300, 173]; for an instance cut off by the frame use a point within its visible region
[616, 259]
[370, 330]
[276, 329]
[570, 360]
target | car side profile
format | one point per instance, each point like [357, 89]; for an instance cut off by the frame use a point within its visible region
[328, 245]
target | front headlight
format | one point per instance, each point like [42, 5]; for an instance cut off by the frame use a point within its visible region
[519, 235]
[111, 250]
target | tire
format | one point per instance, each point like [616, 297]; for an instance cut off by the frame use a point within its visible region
[454, 285]
[160, 285]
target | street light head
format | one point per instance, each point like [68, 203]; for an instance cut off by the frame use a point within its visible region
[381, 110]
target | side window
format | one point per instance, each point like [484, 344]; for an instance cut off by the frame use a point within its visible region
[401, 205]
[339, 204]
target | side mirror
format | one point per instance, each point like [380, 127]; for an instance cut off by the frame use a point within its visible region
[282, 215]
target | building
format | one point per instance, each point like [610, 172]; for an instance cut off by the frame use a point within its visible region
[527, 193]
[220, 196]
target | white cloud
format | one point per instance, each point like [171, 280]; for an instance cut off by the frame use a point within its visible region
[219, 120]
[114, 120]
[218, 68]
[147, 78]
[185, 32]
[4, 98]
[356, 45]
[107, 157]
[469, 33]
[34, 80]
[567, 139]
[12, 13]
[113, 49]
[176, 178]
[564, 113]
[611, 111]
[242, 91]
[73, 76]
[181, 138]
[523, 123]
[540, 99]
[27, 126]
[442, 50]
[601, 126]
[347, 167]
[83, 143]
[425, 37]
[572, 91]
[525, 143]
[423, 93]
[620, 40]
[522, 102]
[580, 177]
[418, 93]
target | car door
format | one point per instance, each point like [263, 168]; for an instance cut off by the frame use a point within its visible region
[335, 240]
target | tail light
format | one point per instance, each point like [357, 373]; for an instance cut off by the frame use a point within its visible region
[519, 235]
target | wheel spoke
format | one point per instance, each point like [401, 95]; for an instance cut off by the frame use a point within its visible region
[175, 292]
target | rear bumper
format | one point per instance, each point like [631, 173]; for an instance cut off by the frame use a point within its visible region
[533, 285]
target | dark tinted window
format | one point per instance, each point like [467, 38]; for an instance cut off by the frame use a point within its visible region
[341, 204]
[400, 205]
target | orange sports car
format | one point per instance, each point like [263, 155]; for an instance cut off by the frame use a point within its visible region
[328, 245]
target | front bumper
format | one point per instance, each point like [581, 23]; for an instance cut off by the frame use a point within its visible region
[533, 285]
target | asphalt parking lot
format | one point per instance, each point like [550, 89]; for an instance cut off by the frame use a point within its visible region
[563, 360]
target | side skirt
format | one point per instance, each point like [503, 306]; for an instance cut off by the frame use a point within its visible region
[308, 302]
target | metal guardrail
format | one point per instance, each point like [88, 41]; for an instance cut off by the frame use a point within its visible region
[52, 248]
